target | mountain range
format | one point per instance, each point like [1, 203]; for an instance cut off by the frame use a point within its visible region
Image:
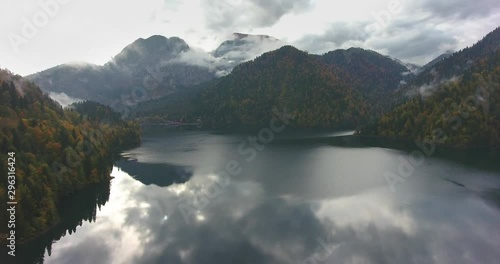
[150, 69]
[288, 77]
[156, 67]
[247, 76]
[455, 101]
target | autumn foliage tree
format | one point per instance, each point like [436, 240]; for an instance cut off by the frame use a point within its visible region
[58, 151]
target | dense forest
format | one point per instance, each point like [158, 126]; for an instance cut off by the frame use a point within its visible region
[57, 151]
[374, 75]
[94, 111]
[286, 78]
[182, 106]
[341, 88]
[465, 112]
[453, 65]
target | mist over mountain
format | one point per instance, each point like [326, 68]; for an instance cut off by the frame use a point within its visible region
[450, 66]
[376, 76]
[243, 47]
[38, 130]
[244, 96]
[438, 59]
[287, 78]
[145, 69]
[151, 68]
[157, 67]
[267, 132]
[151, 51]
[459, 104]
[63, 99]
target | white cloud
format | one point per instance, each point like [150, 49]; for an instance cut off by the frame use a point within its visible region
[94, 31]
[63, 98]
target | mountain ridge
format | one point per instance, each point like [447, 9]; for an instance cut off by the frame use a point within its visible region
[463, 111]
[373, 77]
[156, 66]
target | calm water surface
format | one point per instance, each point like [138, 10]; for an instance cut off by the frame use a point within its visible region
[172, 201]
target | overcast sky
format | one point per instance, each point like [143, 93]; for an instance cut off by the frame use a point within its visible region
[34, 37]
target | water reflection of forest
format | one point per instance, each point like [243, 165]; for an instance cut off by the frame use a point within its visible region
[160, 174]
[74, 211]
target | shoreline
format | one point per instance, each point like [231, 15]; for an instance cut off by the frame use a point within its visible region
[46, 230]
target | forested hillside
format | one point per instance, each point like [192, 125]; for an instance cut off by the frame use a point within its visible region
[155, 67]
[454, 65]
[153, 64]
[376, 76]
[95, 111]
[337, 80]
[182, 106]
[461, 113]
[57, 151]
[346, 88]
[286, 78]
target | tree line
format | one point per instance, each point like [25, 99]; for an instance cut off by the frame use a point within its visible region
[59, 151]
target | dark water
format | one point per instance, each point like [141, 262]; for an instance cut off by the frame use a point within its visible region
[192, 197]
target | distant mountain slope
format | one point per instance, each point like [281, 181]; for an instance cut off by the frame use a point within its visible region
[243, 47]
[458, 63]
[146, 69]
[438, 59]
[376, 76]
[77, 80]
[464, 111]
[151, 68]
[372, 76]
[285, 78]
[184, 105]
[147, 52]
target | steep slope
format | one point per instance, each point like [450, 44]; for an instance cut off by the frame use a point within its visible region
[147, 52]
[146, 69]
[438, 59]
[462, 112]
[154, 64]
[80, 80]
[455, 65]
[376, 76]
[151, 68]
[58, 152]
[242, 47]
[184, 105]
[285, 78]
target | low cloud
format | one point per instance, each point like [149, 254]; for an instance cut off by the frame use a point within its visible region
[430, 88]
[247, 48]
[236, 50]
[197, 57]
[63, 99]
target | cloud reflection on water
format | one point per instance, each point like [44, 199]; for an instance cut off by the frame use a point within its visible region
[252, 227]
[287, 201]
